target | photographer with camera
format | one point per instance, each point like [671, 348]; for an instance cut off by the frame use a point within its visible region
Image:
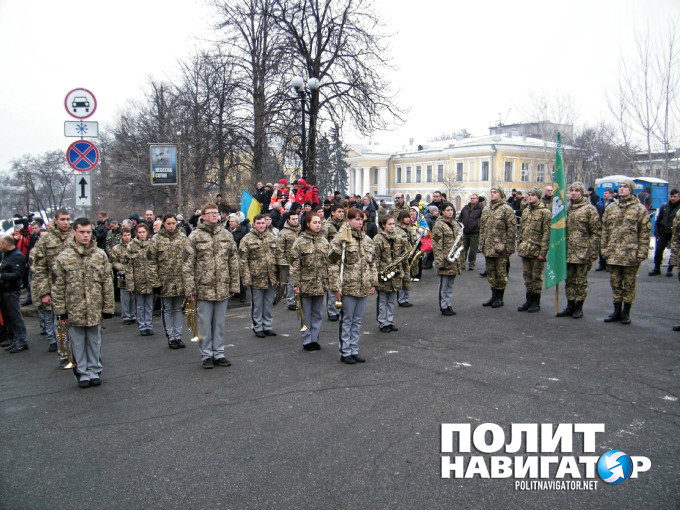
[11, 271]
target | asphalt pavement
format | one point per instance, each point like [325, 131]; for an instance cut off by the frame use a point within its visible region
[284, 428]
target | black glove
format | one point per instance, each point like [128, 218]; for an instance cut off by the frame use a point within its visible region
[62, 317]
[157, 290]
[107, 315]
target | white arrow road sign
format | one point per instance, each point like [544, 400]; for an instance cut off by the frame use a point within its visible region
[83, 190]
[81, 128]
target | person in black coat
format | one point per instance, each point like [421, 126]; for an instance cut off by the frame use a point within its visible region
[11, 272]
[238, 230]
[663, 231]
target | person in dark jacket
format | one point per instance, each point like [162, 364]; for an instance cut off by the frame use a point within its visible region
[261, 195]
[469, 217]
[294, 209]
[594, 198]
[663, 231]
[239, 228]
[416, 200]
[11, 272]
[367, 205]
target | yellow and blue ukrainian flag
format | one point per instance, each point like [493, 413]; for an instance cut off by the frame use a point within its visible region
[249, 206]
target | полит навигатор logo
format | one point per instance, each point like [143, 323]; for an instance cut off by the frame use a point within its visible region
[614, 467]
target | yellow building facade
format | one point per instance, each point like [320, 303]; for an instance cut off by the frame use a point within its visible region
[455, 167]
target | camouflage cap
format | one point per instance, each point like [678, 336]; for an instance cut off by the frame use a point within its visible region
[500, 191]
[580, 186]
[631, 185]
[536, 191]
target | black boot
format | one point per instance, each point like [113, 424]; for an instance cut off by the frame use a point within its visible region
[616, 316]
[535, 304]
[578, 310]
[524, 307]
[676, 327]
[625, 315]
[569, 310]
[492, 299]
[669, 271]
[498, 302]
[655, 271]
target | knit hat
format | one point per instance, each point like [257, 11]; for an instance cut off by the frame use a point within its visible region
[283, 182]
[580, 186]
[500, 191]
[135, 216]
[536, 191]
[268, 185]
[301, 182]
[630, 184]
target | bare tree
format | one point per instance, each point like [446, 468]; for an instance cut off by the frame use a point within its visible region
[600, 153]
[43, 179]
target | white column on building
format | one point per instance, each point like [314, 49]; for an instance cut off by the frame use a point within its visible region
[382, 180]
[366, 181]
[352, 179]
[358, 174]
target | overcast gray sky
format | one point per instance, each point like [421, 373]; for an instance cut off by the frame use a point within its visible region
[459, 63]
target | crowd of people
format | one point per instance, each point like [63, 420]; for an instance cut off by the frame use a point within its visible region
[323, 257]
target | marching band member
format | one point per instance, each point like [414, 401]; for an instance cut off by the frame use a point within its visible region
[140, 280]
[309, 276]
[119, 261]
[259, 257]
[211, 277]
[444, 234]
[404, 228]
[165, 254]
[359, 278]
[286, 238]
[389, 247]
[330, 228]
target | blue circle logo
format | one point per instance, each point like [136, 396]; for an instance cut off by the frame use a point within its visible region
[614, 467]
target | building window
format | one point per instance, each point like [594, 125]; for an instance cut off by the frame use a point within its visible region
[398, 174]
[440, 173]
[459, 172]
[485, 171]
[419, 174]
[408, 174]
[375, 176]
[525, 172]
[540, 172]
[429, 173]
[508, 171]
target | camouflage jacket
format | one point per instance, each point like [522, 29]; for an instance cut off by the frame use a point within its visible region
[395, 209]
[497, 230]
[309, 264]
[547, 202]
[82, 286]
[583, 232]
[331, 227]
[165, 255]
[382, 211]
[259, 256]
[388, 249]
[410, 235]
[43, 254]
[360, 273]
[444, 233]
[119, 260]
[139, 278]
[625, 232]
[285, 240]
[211, 268]
[675, 241]
[112, 239]
[534, 231]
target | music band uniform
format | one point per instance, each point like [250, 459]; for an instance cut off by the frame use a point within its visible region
[444, 233]
[140, 282]
[389, 247]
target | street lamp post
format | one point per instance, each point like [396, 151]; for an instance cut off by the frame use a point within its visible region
[298, 85]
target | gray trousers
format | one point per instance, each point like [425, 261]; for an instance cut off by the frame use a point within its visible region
[385, 307]
[144, 311]
[171, 315]
[402, 296]
[46, 314]
[285, 280]
[211, 319]
[128, 305]
[86, 344]
[446, 291]
[312, 309]
[349, 327]
[262, 303]
[331, 311]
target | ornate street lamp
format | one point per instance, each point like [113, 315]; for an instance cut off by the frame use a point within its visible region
[303, 91]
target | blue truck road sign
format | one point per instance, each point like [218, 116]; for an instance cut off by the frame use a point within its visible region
[82, 156]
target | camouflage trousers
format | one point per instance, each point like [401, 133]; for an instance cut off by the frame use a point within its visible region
[497, 272]
[623, 279]
[577, 281]
[533, 274]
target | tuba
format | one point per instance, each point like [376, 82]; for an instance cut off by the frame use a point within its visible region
[192, 318]
[457, 247]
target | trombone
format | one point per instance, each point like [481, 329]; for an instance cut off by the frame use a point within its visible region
[300, 315]
[62, 333]
[192, 318]
[345, 237]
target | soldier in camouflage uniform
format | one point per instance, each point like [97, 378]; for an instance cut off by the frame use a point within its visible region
[497, 239]
[165, 255]
[675, 250]
[409, 234]
[445, 232]
[399, 205]
[260, 259]
[330, 228]
[583, 247]
[625, 244]
[44, 252]
[119, 261]
[360, 277]
[389, 247]
[139, 279]
[309, 277]
[211, 277]
[112, 237]
[82, 294]
[285, 239]
[534, 241]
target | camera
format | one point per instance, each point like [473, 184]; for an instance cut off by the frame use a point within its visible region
[120, 278]
[22, 222]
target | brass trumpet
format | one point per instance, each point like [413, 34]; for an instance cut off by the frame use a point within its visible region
[192, 318]
[62, 334]
[300, 315]
[345, 237]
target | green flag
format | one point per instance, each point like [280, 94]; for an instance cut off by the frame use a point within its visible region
[556, 268]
